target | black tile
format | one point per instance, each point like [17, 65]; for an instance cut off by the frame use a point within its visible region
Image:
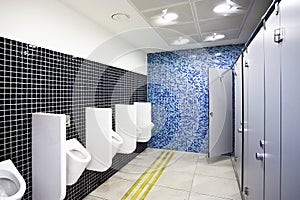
[34, 79]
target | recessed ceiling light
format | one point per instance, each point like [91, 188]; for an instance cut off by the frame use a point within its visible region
[181, 41]
[214, 37]
[169, 16]
[222, 8]
[165, 18]
[120, 16]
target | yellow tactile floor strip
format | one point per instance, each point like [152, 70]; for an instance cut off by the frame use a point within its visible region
[142, 176]
[157, 176]
[168, 155]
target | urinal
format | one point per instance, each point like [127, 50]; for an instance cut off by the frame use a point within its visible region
[116, 142]
[143, 121]
[77, 160]
[12, 184]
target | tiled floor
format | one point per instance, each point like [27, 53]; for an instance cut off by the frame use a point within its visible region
[188, 176]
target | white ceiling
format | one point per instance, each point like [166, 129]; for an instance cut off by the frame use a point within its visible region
[196, 21]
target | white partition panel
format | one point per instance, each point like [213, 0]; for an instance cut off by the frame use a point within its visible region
[143, 121]
[125, 119]
[99, 138]
[48, 156]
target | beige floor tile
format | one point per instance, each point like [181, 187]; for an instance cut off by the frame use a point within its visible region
[214, 186]
[186, 156]
[112, 189]
[183, 162]
[146, 158]
[90, 197]
[162, 193]
[130, 172]
[176, 180]
[181, 165]
[188, 176]
[198, 196]
[215, 170]
[218, 161]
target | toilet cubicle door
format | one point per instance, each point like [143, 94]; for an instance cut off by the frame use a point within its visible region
[272, 109]
[245, 84]
[238, 118]
[220, 112]
[254, 127]
[290, 162]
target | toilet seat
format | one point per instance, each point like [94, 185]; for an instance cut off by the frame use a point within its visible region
[10, 175]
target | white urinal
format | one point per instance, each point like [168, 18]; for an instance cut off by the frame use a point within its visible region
[143, 121]
[12, 184]
[77, 160]
[116, 142]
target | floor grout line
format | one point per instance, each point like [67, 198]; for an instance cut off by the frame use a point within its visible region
[193, 178]
[213, 196]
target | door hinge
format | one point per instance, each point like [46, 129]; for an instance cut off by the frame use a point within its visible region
[278, 35]
[246, 64]
[277, 8]
[246, 191]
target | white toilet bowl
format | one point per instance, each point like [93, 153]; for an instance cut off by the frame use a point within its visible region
[12, 184]
[77, 160]
[116, 142]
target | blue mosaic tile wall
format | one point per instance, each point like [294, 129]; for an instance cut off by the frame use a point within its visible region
[178, 91]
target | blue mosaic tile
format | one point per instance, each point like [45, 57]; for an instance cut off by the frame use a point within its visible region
[178, 91]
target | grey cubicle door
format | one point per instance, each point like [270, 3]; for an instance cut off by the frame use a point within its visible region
[290, 162]
[272, 109]
[220, 112]
[238, 118]
[254, 128]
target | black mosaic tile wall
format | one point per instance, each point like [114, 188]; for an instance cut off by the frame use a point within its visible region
[34, 79]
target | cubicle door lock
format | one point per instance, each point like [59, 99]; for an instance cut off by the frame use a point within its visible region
[259, 156]
[262, 144]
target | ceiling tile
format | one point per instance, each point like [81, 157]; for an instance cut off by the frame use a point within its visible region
[150, 4]
[205, 8]
[229, 22]
[242, 3]
[184, 12]
[177, 30]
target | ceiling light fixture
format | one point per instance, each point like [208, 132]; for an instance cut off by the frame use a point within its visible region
[171, 16]
[165, 18]
[181, 41]
[222, 8]
[226, 7]
[214, 37]
[120, 16]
